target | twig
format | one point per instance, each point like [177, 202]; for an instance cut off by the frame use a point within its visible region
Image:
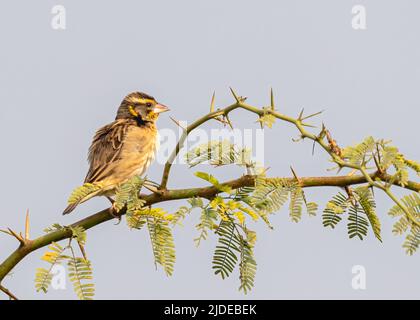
[17, 236]
[376, 179]
[7, 292]
[169, 195]
[177, 123]
[27, 225]
[212, 115]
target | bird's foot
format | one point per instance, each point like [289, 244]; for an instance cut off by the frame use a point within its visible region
[114, 212]
[155, 188]
[110, 200]
[161, 191]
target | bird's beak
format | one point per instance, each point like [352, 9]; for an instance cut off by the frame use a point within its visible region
[159, 108]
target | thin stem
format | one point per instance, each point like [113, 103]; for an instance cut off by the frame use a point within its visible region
[338, 160]
[187, 131]
[205, 192]
[402, 206]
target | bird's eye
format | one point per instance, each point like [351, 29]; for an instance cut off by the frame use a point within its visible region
[148, 104]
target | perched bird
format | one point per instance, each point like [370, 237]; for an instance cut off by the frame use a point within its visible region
[123, 148]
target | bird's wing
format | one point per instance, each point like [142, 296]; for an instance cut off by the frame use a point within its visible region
[106, 149]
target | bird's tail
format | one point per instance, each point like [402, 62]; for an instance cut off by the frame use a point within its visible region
[80, 195]
[71, 207]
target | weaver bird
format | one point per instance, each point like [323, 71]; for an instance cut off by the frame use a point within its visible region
[124, 148]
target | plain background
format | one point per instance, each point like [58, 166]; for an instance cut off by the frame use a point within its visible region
[58, 87]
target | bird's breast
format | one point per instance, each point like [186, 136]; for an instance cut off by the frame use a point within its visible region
[140, 147]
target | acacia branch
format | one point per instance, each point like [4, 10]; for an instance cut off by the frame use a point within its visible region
[378, 179]
[169, 195]
[333, 150]
[186, 131]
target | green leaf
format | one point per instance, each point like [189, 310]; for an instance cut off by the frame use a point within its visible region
[196, 202]
[180, 215]
[224, 257]
[357, 155]
[210, 178]
[311, 208]
[219, 153]
[208, 219]
[127, 195]
[53, 228]
[412, 204]
[162, 244]
[414, 165]
[401, 226]
[80, 274]
[296, 204]
[247, 266]
[266, 119]
[412, 241]
[271, 194]
[358, 224]
[367, 204]
[335, 208]
[79, 233]
[135, 220]
[43, 276]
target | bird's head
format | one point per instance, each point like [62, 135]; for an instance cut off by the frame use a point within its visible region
[141, 107]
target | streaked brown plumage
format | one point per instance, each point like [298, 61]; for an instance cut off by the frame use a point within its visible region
[125, 147]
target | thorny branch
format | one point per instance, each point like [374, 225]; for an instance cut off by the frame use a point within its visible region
[378, 179]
